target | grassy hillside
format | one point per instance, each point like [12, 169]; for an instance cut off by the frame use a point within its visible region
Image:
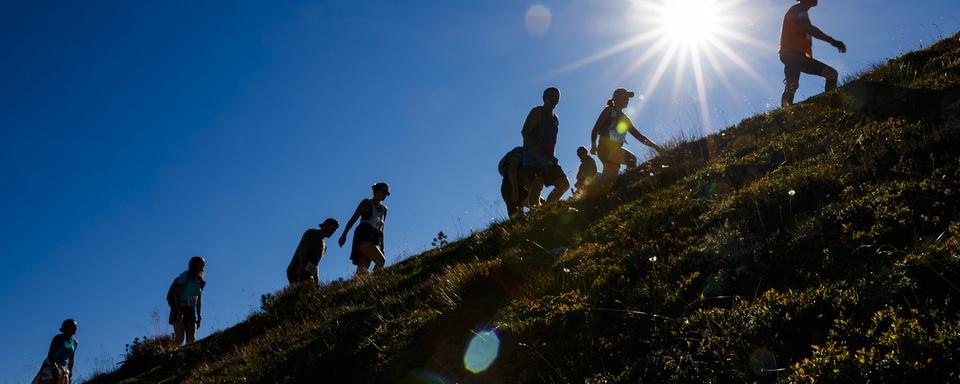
[820, 242]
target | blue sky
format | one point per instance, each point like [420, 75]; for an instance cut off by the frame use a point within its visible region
[134, 135]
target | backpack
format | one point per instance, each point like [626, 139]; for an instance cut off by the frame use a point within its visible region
[171, 298]
[514, 153]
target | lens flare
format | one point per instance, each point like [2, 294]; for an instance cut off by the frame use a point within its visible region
[689, 22]
[482, 351]
[537, 20]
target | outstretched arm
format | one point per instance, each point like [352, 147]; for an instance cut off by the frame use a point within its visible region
[818, 34]
[643, 139]
[361, 208]
[601, 121]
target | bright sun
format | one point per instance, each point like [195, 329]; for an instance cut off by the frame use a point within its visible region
[689, 22]
[691, 39]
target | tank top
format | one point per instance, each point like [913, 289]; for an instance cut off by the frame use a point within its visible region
[551, 126]
[192, 289]
[65, 348]
[377, 216]
[794, 36]
[612, 132]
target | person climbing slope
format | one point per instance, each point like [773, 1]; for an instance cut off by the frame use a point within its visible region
[608, 136]
[368, 237]
[313, 245]
[796, 51]
[513, 188]
[57, 368]
[539, 143]
[184, 299]
[586, 173]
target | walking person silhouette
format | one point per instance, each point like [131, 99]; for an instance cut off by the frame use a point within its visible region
[368, 237]
[608, 137]
[57, 368]
[796, 51]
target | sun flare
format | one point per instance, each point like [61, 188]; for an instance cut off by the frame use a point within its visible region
[698, 41]
[690, 22]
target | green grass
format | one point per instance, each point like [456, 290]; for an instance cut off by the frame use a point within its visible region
[820, 243]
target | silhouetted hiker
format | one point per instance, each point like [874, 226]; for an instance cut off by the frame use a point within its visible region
[313, 244]
[513, 189]
[796, 50]
[184, 299]
[368, 238]
[587, 171]
[611, 129]
[539, 142]
[57, 368]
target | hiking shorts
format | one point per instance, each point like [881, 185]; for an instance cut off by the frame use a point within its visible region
[365, 233]
[795, 63]
[614, 154]
[552, 174]
[188, 313]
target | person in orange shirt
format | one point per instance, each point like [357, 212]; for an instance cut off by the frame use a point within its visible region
[796, 50]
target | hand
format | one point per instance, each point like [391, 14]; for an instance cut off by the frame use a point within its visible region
[342, 241]
[840, 46]
[593, 149]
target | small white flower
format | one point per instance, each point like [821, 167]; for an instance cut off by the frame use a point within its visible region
[792, 192]
[653, 259]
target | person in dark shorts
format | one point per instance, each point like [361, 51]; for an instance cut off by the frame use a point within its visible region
[313, 244]
[368, 238]
[539, 143]
[184, 298]
[796, 51]
[57, 368]
[587, 171]
[610, 134]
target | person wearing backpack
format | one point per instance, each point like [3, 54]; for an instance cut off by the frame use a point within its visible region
[57, 368]
[610, 134]
[184, 299]
[368, 237]
[512, 188]
[313, 244]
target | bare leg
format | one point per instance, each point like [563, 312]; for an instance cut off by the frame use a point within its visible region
[535, 187]
[629, 159]
[373, 253]
[831, 75]
[790, 87]
[607, 178]
[178, 332]
[190, 330]
[558, 190]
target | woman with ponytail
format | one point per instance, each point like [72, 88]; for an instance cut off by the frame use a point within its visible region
[610, 134]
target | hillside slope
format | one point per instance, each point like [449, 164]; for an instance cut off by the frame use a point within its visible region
[817, 242]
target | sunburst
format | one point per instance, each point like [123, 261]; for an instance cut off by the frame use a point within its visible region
[686, 36]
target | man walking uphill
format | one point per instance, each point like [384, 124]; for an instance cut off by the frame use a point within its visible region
[796, 50]
[303, 266]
